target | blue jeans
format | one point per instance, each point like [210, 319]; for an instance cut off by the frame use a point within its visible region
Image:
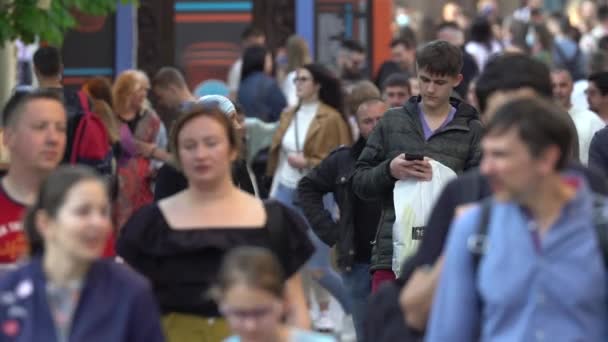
[358, 283]
[320, 260]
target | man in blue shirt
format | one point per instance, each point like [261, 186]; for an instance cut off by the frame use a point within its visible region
[542, 276]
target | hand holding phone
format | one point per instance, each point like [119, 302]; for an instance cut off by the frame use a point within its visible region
[412, 156]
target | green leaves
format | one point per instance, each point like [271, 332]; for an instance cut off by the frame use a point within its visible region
[23, 19]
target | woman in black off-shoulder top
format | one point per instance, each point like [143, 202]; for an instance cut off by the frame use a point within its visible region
[179, 242]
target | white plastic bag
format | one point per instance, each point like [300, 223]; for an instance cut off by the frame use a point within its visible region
[414, 200]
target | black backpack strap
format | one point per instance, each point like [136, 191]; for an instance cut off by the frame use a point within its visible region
[477, 243]
[600, 220]
[275, 223]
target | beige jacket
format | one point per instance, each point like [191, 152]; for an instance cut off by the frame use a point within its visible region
[327, 131]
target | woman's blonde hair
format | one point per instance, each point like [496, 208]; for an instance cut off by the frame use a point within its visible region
[298, 54]
[126, 84]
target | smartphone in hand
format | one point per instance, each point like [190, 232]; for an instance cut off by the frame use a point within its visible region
[411, 156]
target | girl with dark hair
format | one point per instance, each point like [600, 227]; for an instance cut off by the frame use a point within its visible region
[180, 241]
[483, 44]
[250, 292]
[259, 94]
[65, 292]
[305, 136]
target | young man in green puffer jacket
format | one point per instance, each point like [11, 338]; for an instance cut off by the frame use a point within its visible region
[433, 125]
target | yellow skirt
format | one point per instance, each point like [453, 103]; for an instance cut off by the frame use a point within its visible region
[181, 327]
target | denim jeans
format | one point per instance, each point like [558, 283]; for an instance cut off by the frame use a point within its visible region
[320, 260]
[358, 283]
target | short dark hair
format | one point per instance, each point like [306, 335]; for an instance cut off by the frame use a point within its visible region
[408, 44]
[254, 58]
[407, 33]
[398, 79]
[559, 69]
[12, 103]
[353, 45]
[17, 103]
[47, 60]
[167, 76]
[439, 58]
[250, 32]
[536, 12]
[539, 123]
[511, 71]
[481, 30]
[600, 79]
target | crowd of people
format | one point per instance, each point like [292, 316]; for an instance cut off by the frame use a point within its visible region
[231, 218]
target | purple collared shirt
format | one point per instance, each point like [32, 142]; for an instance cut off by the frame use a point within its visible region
[428, 133]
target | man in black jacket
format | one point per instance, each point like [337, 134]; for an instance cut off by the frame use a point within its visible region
[504, 76]
[353, 233]
[432, 125]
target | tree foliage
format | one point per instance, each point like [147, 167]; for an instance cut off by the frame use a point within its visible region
[29, 19]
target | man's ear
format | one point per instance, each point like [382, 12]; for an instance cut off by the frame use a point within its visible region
[549, 159]
[457, 80]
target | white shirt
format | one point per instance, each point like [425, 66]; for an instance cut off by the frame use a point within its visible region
[578, 97]
[522, 14]
[588, 42]
[481, 53]
[287, 175]
[289, 89]
[587, 123]
[234, 75]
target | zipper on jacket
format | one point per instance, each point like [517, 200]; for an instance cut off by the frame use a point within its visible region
[378, 226]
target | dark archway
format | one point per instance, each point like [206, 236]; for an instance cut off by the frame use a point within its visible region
[155, 35]
[276, 18]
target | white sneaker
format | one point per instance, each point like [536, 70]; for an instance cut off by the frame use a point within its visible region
[323, 323]
[348, 333]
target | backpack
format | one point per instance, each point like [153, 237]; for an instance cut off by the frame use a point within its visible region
[90, 143]
[477, 244]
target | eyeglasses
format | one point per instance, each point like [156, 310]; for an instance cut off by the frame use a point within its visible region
[301, 79]
[239, 315]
